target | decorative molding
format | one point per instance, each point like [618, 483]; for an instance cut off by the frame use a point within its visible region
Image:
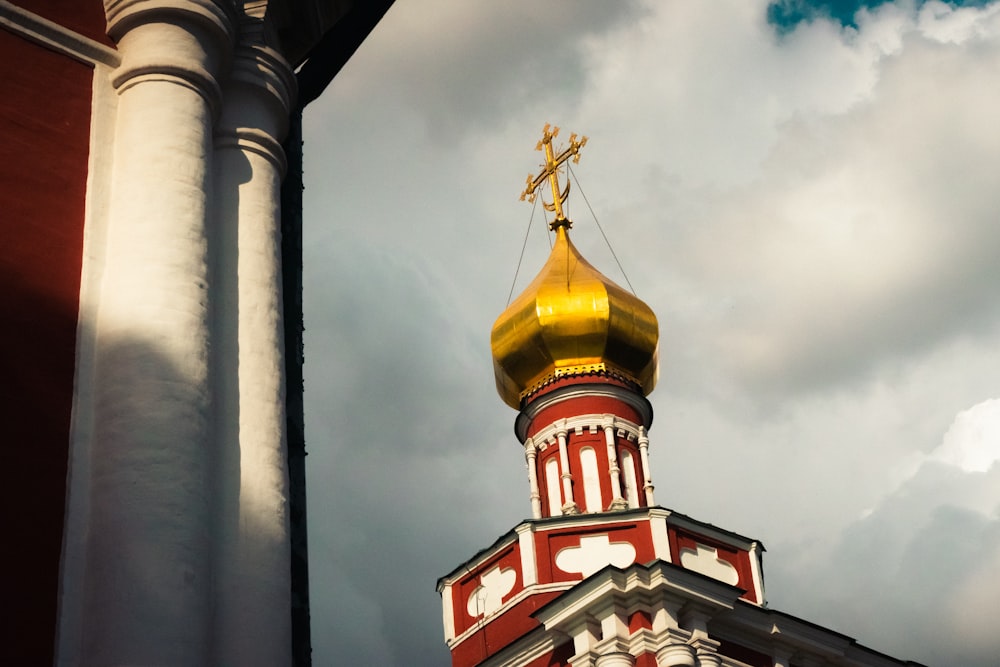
[636, 401]
[592, 422]
[124, 15]
[254, 141]
[261, 66]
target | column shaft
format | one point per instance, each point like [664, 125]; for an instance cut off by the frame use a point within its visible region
[617, 502]
[253, 608]
[569, 505]
[147, 588]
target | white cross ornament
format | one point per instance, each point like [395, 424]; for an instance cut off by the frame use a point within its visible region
[488, 595]
[595, 552]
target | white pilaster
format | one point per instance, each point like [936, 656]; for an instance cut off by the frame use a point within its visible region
[569, 506]
[644, 458]
[253, 607]
[448, 614]
[530, 455]
[526, 545]
[660, 534]
[756, 571]
[617, 502]
[146, 594]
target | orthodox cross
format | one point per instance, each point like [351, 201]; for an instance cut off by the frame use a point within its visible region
[550, 172]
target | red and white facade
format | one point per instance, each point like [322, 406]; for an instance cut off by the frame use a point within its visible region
[587, 452]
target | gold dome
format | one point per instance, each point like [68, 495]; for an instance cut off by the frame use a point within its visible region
[572, 320]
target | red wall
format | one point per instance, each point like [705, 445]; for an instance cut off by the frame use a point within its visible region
[45, 126]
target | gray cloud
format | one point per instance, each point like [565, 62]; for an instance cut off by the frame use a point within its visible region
[910, 572]
[811, 217]
[467, 66]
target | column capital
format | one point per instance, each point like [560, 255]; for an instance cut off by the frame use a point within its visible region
[123, 15]
[189, 42]
[259, 95]
[571, 508]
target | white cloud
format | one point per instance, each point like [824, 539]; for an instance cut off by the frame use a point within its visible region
[972, 443]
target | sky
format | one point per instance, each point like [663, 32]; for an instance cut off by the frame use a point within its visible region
[806, 194]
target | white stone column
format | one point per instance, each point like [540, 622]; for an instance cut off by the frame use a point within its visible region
[615, 659]
[647, 486]
[530, 454]
[617, 502]
[676, 655]
[146, 594]
[569, 506]
[252, 612]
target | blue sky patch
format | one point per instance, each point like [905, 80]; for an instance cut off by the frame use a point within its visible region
[786, 14]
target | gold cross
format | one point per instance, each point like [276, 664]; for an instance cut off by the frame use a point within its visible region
[550, 172]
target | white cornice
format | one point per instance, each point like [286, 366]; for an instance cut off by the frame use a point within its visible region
[637, 584]
[712, 532]
[56, 37]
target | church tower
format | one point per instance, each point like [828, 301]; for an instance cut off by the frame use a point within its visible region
[600, 575]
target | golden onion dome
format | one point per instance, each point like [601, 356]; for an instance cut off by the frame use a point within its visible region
[572, 320]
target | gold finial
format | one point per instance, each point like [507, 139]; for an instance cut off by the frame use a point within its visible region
[550, 172]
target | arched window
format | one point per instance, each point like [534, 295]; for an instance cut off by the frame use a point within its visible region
[591, 480]
[631, 485]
